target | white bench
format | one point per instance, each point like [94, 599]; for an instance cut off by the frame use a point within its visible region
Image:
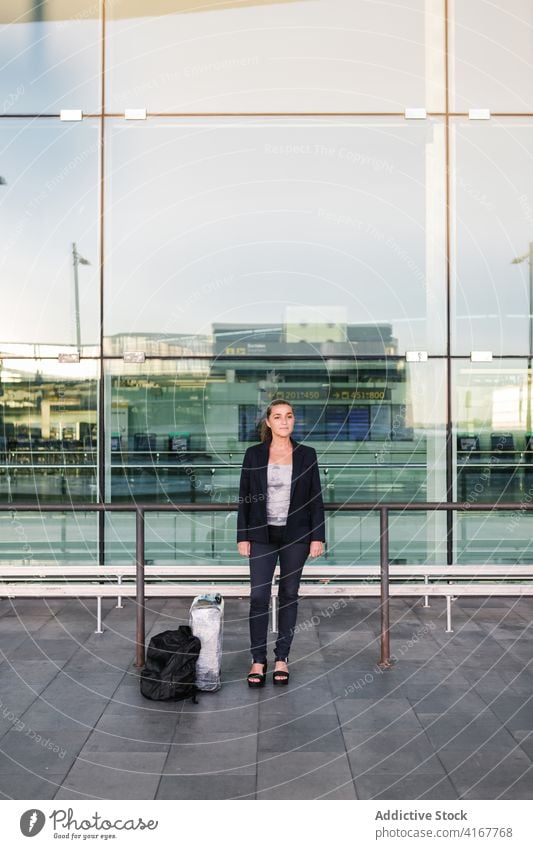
[90, 581]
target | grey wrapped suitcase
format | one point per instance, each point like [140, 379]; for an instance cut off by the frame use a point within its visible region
[206, 619]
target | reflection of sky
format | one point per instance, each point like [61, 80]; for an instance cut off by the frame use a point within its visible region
[237, 224]
[494, 224]
[46, 66]
[27, 369]
[493, 56]
[308, 55]
[240, 224]
[50, 201]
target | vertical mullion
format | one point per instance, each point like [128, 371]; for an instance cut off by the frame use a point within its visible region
[101, 390]
[449, 424]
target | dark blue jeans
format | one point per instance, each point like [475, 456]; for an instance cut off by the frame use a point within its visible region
[263, 559]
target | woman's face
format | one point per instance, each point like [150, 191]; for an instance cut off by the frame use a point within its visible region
[281, 420]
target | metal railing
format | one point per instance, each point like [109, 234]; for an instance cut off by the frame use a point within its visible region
[140, 510]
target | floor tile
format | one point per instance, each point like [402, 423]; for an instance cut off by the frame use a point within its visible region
[390, 785]
[310, 733]
[207, 787]
[389, 751]
[305, 775]
[212, 753]
[114, 775]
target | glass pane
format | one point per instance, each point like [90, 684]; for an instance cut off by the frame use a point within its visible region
[177, 431]
[494, 459]
[492, 427]
[493, 236]
[27, 539]
[120, 539]
[491, 537]
[351, 538]
[192, 539]
[299, 238]
[491, 52]
[415, 538]
[275, 55]
[208, 539]
[48, 431]
[51, 56]
[50, 230]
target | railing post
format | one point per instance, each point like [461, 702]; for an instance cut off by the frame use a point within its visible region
[139, 562]
[384, 661]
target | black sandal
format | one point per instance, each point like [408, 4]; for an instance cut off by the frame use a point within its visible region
[257, 679]
[280, 677]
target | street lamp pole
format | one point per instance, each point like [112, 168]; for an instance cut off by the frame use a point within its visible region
[76, 298]
[76, 261]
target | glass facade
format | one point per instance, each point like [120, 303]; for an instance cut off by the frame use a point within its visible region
[51, 53]
[49, 433]
[494, 451]
[303, 222]
[50, 228]
[493, 229]
[272, 55]
[276, 225]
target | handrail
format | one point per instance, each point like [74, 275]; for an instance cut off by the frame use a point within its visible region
[225, 506]
[140, 509]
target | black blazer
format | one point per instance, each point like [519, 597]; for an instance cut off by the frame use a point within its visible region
[305, 520]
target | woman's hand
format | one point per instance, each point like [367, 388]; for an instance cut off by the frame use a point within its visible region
[316, 548]
[244, 548]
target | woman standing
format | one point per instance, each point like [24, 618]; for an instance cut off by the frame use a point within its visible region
[281, 513]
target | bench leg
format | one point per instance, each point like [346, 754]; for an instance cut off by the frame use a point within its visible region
[449, 629]
[119, 604]
[274, 615]
[99, 629]
[426, 597]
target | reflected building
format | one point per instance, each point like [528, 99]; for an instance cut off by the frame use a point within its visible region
[161, 345]
[311, 338]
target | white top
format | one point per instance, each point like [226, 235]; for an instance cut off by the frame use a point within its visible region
[278, 492]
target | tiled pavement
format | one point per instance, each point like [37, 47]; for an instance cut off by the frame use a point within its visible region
[453, 719]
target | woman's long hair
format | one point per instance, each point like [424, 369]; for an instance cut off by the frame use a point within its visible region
[266, 432]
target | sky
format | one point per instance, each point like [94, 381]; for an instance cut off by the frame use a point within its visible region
[219, 220]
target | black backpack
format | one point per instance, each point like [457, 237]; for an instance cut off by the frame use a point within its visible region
[170, 669]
